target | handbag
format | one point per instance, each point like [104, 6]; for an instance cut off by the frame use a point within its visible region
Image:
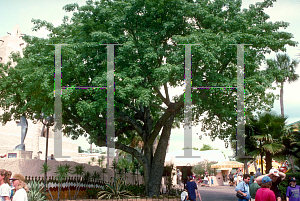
[240, 196]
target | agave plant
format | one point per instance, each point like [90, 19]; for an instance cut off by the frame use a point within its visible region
[35, 192]
[115, 190]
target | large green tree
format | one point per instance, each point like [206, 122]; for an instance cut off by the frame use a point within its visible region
[147, 64]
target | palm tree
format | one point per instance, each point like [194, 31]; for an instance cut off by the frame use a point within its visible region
[62, 172]
[79, 171]
[291, 144]
[283, 70]
[268, 129]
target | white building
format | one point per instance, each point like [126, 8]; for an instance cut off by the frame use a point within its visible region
[10, 133]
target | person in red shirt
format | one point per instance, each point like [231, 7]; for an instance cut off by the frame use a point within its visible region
[264, 193]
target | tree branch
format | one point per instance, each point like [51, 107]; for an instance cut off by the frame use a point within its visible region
[158, 106]
[131, 151]
[167, 93]
[125, 118]
[174, 107]
[161, 96]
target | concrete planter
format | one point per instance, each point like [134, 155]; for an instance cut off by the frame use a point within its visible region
[148, 199]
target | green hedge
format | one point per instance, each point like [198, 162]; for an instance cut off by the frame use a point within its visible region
[285, 183]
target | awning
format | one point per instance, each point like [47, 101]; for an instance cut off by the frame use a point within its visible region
[228, 164]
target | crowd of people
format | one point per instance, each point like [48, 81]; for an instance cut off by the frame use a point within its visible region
[260, 187]
[12, 188]
[206, 181]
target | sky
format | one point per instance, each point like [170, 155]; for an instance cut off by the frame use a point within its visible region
[21, 12]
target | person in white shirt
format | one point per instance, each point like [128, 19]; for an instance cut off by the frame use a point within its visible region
[5, 190]
[21, 188]
[184, 195]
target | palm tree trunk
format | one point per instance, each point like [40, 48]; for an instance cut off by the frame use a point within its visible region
[292, 163]
[268, 161]
[261, 163]
[281, 100]
[254, 163]
[246, 166]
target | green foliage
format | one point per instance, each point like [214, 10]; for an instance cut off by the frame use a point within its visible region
[87, 176]
[92, 193]
[206, 147]
[79, 171]
[62, 172]
[116, 190]
[145, 29]
[103, 172]
[204, 166]
[174, 192]
[35, 192]
[265, 133]
[80, 150]
[282, 68]
[100, 161]
[45, 168]
[137, 190]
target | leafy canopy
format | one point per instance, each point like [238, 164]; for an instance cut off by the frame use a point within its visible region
[148, 63]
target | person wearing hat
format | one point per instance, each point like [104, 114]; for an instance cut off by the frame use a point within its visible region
[264, 193]
[276, 178]
[5, 190]
[293, 191]
[258, 173]
[192, 189]
[20, 187]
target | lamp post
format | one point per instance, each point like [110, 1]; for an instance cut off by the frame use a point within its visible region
[49, 121]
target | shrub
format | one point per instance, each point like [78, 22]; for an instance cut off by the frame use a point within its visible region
[91, 193]
[35, 192]
[285, 183]
[115, 190]
[137, 190]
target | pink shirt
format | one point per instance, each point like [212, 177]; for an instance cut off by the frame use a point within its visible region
[265, 194]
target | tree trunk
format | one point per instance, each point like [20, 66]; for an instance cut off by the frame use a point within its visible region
[261, 163]
[281, 100]
[254, 163]
[154, 166]
[246, 171]
[268, 162]
[292, 163]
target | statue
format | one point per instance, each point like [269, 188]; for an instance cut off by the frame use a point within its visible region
[24, 127]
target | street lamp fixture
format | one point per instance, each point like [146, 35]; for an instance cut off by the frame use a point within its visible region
[49, 121]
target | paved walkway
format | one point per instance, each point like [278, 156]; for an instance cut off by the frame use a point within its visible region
[218, 193]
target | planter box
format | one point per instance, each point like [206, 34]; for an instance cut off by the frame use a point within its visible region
[143, 199]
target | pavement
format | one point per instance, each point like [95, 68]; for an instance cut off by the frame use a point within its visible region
[218, 193]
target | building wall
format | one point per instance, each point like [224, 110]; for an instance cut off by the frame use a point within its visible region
[10, 133]
[13, 42]
[32, 168]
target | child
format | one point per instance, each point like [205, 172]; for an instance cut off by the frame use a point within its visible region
[212, 181]
[293, 191]
[184, 195]
[264, 193]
